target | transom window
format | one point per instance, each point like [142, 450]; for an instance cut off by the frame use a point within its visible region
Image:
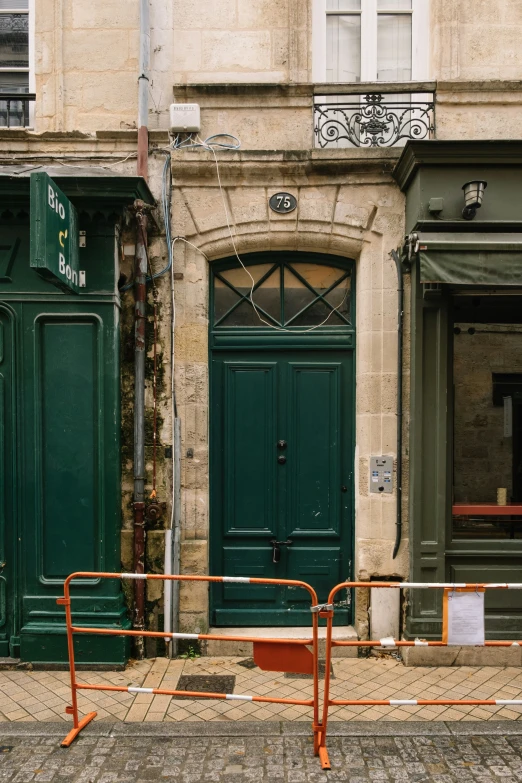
[370, 40]
[285, 294]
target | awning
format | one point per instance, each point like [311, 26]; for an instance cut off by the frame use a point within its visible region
[471, 259]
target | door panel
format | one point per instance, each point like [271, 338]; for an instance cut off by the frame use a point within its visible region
[68, 425]
[314, 456]
[250, 471]
[282, 453]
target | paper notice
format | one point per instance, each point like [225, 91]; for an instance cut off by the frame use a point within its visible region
[466, 618]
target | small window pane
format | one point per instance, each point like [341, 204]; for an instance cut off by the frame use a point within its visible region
[14, 41]
[343, 5]
[14, 82]
[242, 280]
[343, 48]
[315, 315]
[224, 298]
[244, 315]
[393, 5]
[394, 47]
[297, 295]
[320, 279]
[14, 4]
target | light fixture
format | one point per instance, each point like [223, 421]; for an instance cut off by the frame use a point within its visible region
[473, 195]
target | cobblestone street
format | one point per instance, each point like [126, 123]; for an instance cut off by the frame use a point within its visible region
[241, 752]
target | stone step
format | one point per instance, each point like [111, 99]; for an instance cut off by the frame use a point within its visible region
[217, 648]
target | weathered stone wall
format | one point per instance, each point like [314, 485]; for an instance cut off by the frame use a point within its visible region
[347, 205]
[483, 456]
[87, 65]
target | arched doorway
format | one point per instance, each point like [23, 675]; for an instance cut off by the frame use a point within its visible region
[282, 339]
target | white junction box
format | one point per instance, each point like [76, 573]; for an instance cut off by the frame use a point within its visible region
[185, 118]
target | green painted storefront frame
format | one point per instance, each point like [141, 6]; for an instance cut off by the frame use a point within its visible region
[264, 340]
[37, 633]
[424, 171]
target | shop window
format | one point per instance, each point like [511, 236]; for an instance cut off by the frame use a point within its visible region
[487, 431]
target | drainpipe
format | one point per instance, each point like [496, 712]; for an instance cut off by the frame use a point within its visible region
[143, 91]
[140, 297]
[400, 323]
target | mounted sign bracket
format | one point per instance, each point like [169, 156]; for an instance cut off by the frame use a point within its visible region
[54, 235]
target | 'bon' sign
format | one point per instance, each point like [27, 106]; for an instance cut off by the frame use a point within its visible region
[54, 234]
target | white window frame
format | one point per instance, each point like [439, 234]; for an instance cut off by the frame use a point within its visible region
[369, 13]
[30, 11]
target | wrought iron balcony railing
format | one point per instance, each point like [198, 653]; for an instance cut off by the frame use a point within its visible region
[373, 119]
[14, 109]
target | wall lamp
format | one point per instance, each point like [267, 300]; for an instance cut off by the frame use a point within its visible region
[473, 195]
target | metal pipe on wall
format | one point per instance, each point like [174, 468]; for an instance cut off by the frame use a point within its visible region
[400, 323]
[140, 297]
[143, 91]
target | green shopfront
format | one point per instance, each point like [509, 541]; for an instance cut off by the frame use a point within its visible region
[465, 444]
[60, 489]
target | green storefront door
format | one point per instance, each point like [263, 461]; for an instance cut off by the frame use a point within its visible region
[282, 439]
[60, 489]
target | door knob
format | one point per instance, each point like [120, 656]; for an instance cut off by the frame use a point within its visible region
[281, 460]
[281, 444]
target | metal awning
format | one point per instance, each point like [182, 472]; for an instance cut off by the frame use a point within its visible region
[471, 258]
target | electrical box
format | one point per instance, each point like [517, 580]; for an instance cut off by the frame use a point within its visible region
[381, 474]
[185, 118]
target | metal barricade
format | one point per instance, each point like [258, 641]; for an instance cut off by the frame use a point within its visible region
[283, 655]
[327, 611]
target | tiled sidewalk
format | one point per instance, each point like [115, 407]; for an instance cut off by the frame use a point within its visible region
[43, 695]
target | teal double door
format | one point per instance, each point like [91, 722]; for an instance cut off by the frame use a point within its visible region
[281, 473]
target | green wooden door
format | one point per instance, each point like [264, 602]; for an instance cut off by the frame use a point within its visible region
[59, 450]
[282, 458]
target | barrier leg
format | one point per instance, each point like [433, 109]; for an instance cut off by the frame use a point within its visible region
[323, 753]
[73, 709]
[316, 726]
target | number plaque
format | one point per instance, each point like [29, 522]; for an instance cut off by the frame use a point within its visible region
[283, 202]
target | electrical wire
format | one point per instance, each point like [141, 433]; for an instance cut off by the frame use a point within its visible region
[294, 330]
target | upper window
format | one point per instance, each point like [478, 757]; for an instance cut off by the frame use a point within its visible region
[370, 40]
[15, 73]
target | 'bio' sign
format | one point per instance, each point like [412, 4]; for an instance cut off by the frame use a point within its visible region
[54, 234]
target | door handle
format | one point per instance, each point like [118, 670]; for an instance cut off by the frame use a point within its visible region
[276, 551]
[281, 444]
[281, 460]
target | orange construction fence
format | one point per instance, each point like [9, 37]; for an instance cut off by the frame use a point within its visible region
[281, 655]
[327, 611]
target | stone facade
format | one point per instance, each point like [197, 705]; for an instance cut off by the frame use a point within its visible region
[248, 63]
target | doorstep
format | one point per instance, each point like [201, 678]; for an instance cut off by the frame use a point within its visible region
[462, 656]
[217, 648]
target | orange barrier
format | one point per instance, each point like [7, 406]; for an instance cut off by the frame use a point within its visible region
[327, 611]
[282, 655]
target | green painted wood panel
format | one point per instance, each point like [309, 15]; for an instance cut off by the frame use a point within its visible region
[68, 382]
[249, 434]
